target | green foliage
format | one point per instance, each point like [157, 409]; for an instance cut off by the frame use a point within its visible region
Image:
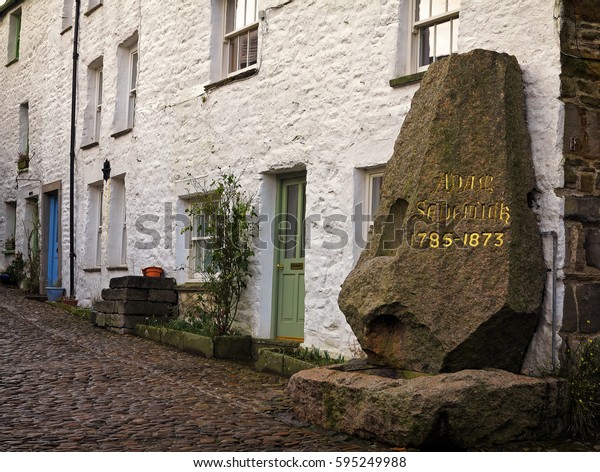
[226, 218]
[583, 374]
[314, 356]
[16, 269]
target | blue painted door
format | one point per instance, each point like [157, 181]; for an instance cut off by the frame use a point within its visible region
[53, 222]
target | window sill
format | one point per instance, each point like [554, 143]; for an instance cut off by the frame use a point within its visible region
[406, 79]
[8, 252]
[123, 132]
[191, 287]
[117, 268]
[90, 145]
[92, 269]
[11, 62]
[22, 171]
[92, 10]
[246, 73]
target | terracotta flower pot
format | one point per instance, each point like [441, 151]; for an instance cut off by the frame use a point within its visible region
[152, 272]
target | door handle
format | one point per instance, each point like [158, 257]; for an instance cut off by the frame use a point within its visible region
[280, 266]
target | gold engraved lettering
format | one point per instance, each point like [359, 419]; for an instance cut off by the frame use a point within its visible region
[421, 207]
[504, 213]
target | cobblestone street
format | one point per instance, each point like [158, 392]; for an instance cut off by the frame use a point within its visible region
[68, 386]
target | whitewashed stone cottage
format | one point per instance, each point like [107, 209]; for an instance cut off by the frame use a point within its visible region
[303, 99]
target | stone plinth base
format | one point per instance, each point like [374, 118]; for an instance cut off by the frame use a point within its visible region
[132, 300]
[459, 410]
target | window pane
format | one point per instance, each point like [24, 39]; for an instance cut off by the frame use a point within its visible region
[291, 218]
[438, 7]
[453, 5]
[230, 16]
[455, 35]
[240, 14]
[375, 194]
[303, 227]
[233, 54]
[134, 68]
[421, 9]
[250, 11]
[426, 46]
[244, 43]
[99, 96]
[253, 47]
[443, 37]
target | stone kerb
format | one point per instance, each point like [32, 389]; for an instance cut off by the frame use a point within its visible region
[131, 299]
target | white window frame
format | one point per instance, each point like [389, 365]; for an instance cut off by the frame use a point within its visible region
[98, 80]
[132, 85]
[370, 177]
[117, 224]
[93, 5]
[67, 15]
[24, 129]
[231, 34]
[199, 242]
[432, 20]
[14, 36]
[10, 221]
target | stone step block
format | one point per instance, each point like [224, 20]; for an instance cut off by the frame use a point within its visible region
[135, 281]
[145, 308]
[104, 306]
[162, 296]
[117, 294]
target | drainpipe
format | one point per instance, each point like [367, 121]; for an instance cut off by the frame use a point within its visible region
[72, 152]
[554, 281]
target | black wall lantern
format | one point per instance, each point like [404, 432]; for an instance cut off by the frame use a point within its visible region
[106, 170]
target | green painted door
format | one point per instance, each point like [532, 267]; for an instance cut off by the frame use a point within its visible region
[289, 259]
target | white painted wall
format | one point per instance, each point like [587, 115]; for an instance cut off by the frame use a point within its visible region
[321, 101]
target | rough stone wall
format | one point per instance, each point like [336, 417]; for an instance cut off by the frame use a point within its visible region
[580, 90]
[320, 102]
[42, 77]
[529, 30]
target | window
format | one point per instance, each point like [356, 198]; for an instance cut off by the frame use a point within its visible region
[435, 30]
[95, 217]
[127, 86]
[117, 224]
[23, 161]
[67, 15]
[92, 124]
[374, 183]
[200, 253]
[11, 226]
[241, 34]
[14, 36]
[133, 73]
[93, 5]
[98, 107]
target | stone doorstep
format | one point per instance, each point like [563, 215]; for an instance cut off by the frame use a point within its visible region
[135, 281]
[461, 410]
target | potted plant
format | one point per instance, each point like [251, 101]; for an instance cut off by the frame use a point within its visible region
[15, 272]
[72, 301]
[152, 272]
[55, 292]
[9, 244]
